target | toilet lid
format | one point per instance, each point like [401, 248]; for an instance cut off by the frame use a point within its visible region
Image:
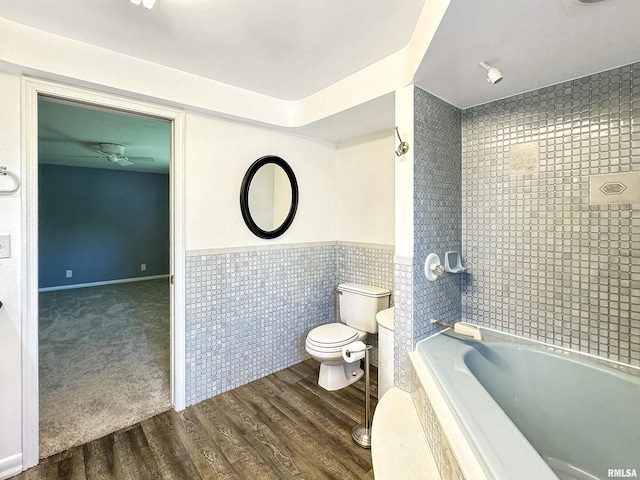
[332, 334]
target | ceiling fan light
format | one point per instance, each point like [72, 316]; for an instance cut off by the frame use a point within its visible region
[148, 4]
[136, 2]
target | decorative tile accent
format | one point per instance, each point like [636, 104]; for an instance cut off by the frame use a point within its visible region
[611, 188]
[615, 188]
[524, 158]
[248, 312]
[542, 261]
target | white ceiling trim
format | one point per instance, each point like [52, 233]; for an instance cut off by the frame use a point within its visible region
[387, 75]
[36, 52]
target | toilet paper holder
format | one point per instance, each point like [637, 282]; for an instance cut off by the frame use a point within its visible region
[361, 433]
[367, 347]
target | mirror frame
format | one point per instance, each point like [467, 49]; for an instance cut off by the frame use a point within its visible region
[244, 197]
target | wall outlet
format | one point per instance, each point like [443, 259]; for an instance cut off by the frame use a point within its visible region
[5, 246]
[69, 273]
[143, 266]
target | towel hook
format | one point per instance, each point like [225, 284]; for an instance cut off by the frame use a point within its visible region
[403, 147]
[5, 172]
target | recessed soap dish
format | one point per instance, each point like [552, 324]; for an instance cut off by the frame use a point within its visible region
[453, 262]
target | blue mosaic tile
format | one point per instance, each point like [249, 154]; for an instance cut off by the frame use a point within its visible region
[248, 313]
[437, 229]
[370, 266]
[544, 263]
[403, 322]
[437, 210]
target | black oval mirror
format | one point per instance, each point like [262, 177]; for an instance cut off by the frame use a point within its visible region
[269, 197]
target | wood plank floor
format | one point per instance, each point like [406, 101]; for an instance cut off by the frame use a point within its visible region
[283, 426]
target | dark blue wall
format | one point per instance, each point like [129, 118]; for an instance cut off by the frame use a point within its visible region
[102, 224]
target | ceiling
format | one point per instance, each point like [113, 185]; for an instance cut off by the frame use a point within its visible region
[290, 49]
[69, 134]
[536, 43]
[286, 49]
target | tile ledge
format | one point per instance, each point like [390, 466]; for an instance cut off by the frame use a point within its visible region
[285, 246]
[257, 248]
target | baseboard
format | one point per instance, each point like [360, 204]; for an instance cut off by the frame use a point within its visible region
[97, 284]
[10, 466]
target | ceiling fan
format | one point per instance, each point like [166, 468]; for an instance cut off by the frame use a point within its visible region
[114, 153]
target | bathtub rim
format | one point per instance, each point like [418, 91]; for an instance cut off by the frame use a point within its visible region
[591, 359]
[470, 460]
[462, 448]
[500, 450]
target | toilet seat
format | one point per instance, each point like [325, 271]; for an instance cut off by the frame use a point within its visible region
[325, 344]
[331, 337]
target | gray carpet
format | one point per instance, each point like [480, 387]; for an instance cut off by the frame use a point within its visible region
[104, 360]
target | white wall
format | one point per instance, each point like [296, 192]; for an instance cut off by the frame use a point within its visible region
[358, 175]
[404, 175]
[218, 154]
[365, 183]
[38, 53]
[10, 282]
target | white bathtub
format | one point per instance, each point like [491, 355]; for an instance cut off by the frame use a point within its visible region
[530, 411]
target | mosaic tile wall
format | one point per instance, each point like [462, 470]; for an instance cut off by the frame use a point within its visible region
[543, 262]
[248, 313]
[437, 209]
[403, 332]
[443, 455]
[437, 227]
[368, 264]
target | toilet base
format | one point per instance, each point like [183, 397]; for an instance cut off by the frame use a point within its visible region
[335, 377]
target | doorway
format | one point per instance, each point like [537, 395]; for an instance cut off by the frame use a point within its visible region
[103, 270]
[33, 92]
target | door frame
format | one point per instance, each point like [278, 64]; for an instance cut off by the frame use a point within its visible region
[31, 89]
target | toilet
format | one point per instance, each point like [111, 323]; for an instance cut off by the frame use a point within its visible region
[359, 305]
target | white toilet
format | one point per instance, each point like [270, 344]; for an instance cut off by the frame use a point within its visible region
[358, 307]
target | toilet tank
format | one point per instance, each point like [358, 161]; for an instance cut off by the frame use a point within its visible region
[359, 304]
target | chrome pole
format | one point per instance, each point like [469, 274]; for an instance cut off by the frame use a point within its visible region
[361, 434]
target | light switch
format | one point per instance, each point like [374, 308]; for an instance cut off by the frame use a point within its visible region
[5, 246]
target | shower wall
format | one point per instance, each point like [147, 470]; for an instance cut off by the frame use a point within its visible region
[543, 262]
[437, 224]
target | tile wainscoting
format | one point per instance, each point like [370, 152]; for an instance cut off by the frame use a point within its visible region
[403, 333]
[248, 310]
[370, 264]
